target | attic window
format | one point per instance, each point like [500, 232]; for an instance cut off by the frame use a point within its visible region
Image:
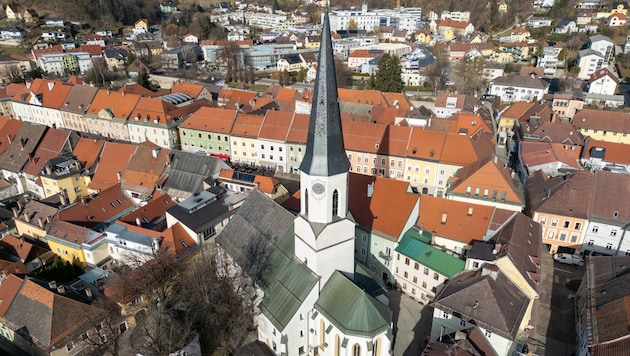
[113, 205]
[615, 214]
[118, 200]
[184, 244]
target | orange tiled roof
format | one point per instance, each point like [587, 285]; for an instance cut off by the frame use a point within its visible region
[93, 50]
[398, 100]
[372, 97]
[388, 210]
[298, 132]
[153, 210]
[386, 115]
[114, 158]
[459, 225]
[9, 288]
[135, 88]
[426, 144]
[363, 136]
[487, 174]
[365, 53]
[143, 170]
[266, 184]
[211, 120]
[153, 110]
[516, 110]
[452, 23]
[68, 232]
[286, 94]
[188, 88]
[540, 153]
[17, 247]
[247, 125]
[8, 132]
[119, 103]
[176, 241]
[276, 125]
[461, 150]
[615, 152]
[469, 124]
[87, 151]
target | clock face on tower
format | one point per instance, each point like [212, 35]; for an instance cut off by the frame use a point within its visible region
[318, 190]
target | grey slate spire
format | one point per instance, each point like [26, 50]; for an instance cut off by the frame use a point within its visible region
[325, 153]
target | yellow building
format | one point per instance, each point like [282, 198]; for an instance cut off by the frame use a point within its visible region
[33, 218]
[603, 125]
[67, 241]
[63, 175]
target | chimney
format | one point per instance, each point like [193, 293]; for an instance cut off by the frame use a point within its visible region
[497, 248]
[51, 85]
[26, 217]
[40, 222]
[122, 93]
[88, 292]
[490, 270]
[48, 170]
[155, 152]
[62, 199]
[20, 206]
[9, 138]
[470, 211]
[118, 176]
[138, 222]
[61, 289]
[83, 201]
[370, 190]
[15, 213]
[444, 216]
[52, 285]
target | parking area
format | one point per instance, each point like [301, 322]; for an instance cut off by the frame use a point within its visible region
[553, 316]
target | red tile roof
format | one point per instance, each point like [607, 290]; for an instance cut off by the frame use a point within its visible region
[276, 125]
[389, 209]
[298, 133]
[152, 211]
[8, 132]
[143, 169]
[247, 125]
[119, 103]
[87, 151]
[114, 158]
[458, 224]
[177, 242]
[50, 146]
[104, 207]
[211, 119]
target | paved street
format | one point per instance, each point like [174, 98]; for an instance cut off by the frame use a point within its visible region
[553, 314]
[412, 324]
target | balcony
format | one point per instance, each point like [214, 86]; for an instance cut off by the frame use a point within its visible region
[385, 256]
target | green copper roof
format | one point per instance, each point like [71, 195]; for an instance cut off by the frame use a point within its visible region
[287, 284]
[429, 256]
[414, 232]
[356, 313]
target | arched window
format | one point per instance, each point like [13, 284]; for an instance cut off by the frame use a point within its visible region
[335, 203]
[306, 202]
[356, 350]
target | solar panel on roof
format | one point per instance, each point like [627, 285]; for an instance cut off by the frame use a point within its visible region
[249, 178]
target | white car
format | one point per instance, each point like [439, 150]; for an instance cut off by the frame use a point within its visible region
[569, 259]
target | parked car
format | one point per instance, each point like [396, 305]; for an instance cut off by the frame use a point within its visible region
[569, 259]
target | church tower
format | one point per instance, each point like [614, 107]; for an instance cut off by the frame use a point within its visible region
[324, 230]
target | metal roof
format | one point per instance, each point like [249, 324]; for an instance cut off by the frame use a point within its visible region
[325, 153]
[427, 255]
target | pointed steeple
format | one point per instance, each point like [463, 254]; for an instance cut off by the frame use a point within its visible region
[325, 153]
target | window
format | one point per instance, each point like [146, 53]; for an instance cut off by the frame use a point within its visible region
[554, 222]
[407, 261]
[609, 246]
[566, 224]
[406, 274]
[416, 266]
[613, 232]
[436, 276]
[462, 323]
[488, 333]
[426, 271]
[543, 220]
[70, 346]
[551, 234]
[595, 229]
[590, 242]
[364, 237]
[573, 238]
[415, 279]
[445, 315]
[335, 203]
[424, 284]
[563, 236]
[362, 251]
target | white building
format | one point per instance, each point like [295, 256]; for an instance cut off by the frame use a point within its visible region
[514, 88]
[370, 20]
[264, 20]
[589, 61]
[603, 82]
[131, 245]
[63, 63]
[603, 45]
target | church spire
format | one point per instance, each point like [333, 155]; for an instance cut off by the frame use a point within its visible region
[325, 153]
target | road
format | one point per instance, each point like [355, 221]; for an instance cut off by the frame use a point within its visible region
[297, 85]
[553, 315]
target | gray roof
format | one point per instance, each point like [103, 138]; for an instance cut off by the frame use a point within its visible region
[79, 99]
[199, 217]
[24, 144]
[356, 313]
[325, 152]
[596, 38]
[493, 303]
[187, 172]
[261, 223]
[521, 81]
